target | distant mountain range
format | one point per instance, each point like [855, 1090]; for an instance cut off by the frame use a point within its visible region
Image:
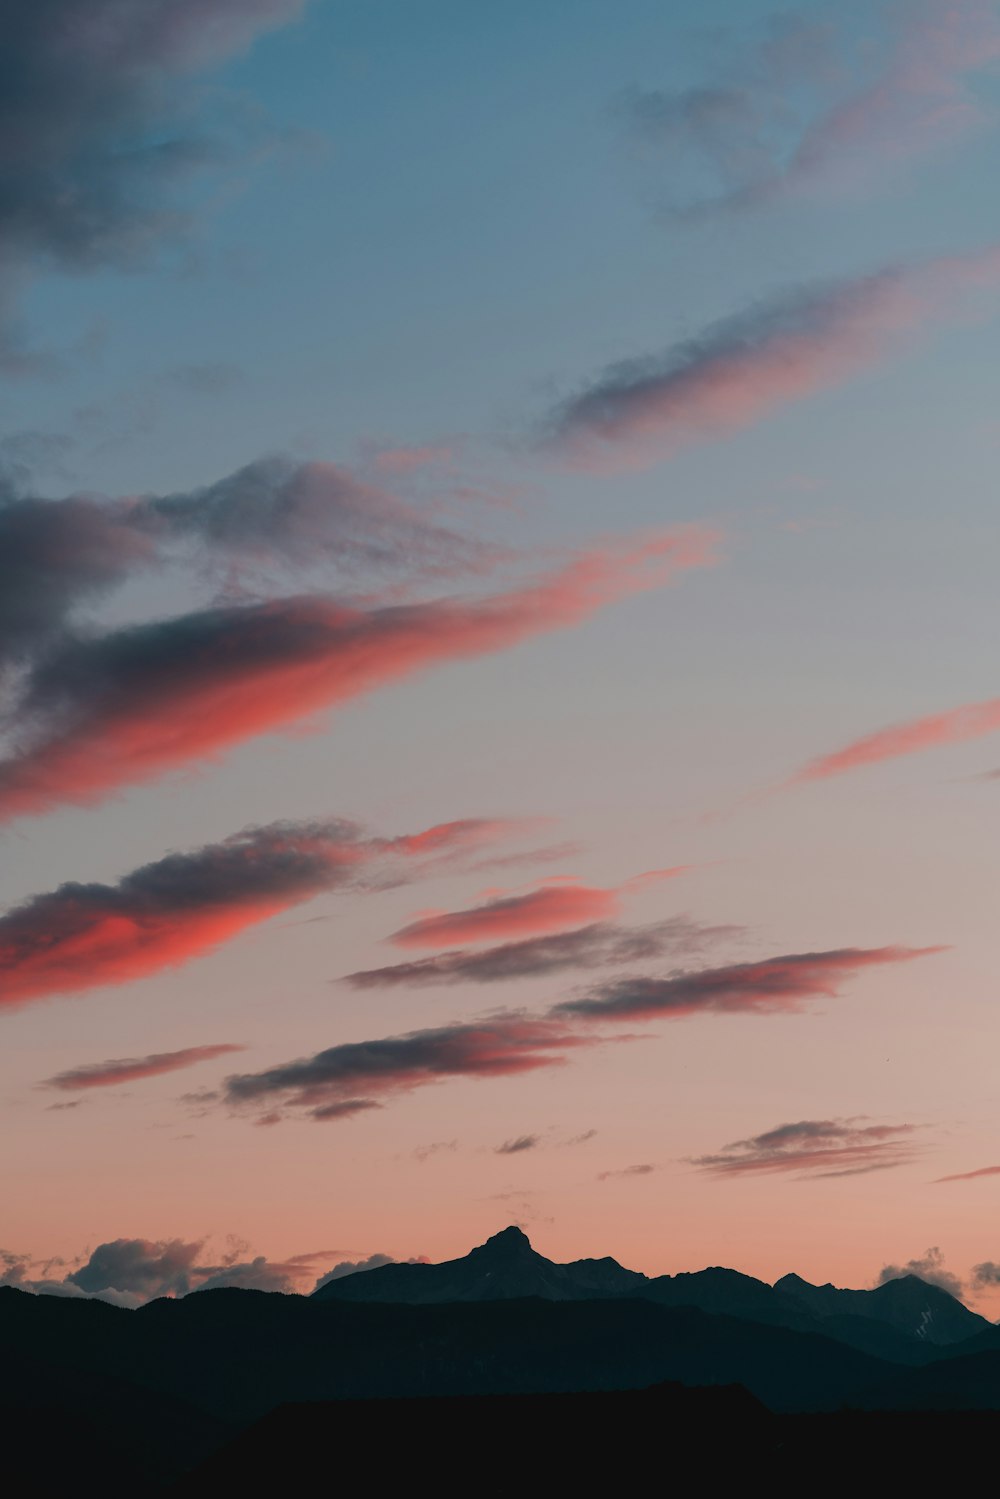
[145, 1394]
[909, 1314]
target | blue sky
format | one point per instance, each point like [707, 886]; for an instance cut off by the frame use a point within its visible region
[429, 228]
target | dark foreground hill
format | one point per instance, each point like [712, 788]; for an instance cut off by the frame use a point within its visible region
[667, 1438]
[144, 1396]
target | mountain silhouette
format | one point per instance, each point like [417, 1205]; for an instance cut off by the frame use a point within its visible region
[505, 1268]
[143, 1395]
[903, 1320]
[909, 1304]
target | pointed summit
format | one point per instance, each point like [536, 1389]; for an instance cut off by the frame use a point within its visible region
[505, 1268]
[508, 1244]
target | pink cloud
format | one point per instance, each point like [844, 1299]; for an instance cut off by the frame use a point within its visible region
[559, 903]
[968, 1176]
[955, 726]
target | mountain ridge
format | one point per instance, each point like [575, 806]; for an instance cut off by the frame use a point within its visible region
[893, 1320]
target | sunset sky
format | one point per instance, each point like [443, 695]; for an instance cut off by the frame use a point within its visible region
[497, 633]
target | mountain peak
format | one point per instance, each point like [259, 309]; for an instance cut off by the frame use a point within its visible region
[508, 1242]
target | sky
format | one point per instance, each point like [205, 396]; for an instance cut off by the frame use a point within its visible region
[497, 619]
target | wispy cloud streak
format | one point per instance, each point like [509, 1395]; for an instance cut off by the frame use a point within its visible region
[954, 726]
[600, 945]
[772, 986]
[815, 1147]
[118, 1070]
[748, 367]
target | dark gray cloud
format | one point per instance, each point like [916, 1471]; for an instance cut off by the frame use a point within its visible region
[346, 1079]
[642, 1170]
[815, 1147]
[772, 986]
[96, 131]
[518, 1144]
[141, 1266]
[930, 1267]
[986, 1275]
[142, 1269]
[57, 555]
[314, 513]
[119, 1070]
[600, 945]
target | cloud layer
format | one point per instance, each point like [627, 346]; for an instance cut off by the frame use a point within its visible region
[165, 913]
[351, 1078]
[815, 1147]
[96, 715]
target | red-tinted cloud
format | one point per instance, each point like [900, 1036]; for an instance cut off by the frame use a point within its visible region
[748, 367]
[131, 1069]
[161, 915]
[555, 905]
[352, 1077]
[545, 910]
[954, 726]
[815, 1147]
[774, 985]
[140, 702]
[968, 1176]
